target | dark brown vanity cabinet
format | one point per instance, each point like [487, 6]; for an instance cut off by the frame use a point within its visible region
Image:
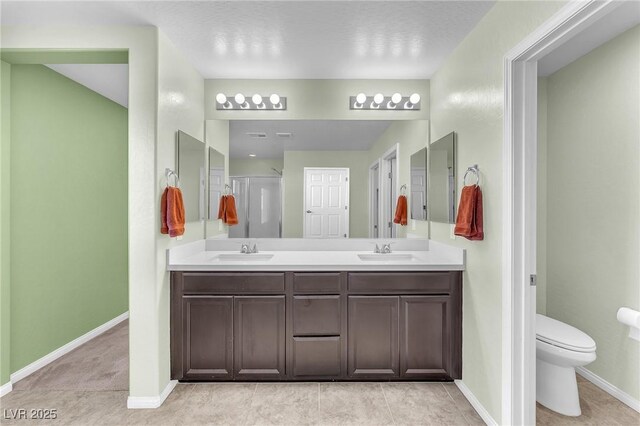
[316, 326]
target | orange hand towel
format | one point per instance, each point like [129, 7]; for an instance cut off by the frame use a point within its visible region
[172, 212]
[401, 211]
[222, 206]
[469, 220]
[231, 215]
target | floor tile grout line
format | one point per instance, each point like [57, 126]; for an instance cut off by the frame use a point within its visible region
[455, 404]
[387, 402]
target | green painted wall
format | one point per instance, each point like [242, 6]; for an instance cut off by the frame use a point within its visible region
[5, 254]
[467, 97]
[69, 249]
[594, 202]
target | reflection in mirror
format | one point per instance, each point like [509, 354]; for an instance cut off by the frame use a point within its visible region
[313, 178]
[442, 180]
[216, 181]
[419, 185]
[191, 170]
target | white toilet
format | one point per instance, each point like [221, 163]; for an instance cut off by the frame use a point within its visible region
[560, 348]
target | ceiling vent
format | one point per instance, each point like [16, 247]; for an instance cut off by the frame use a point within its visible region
[259, 135]
[284, 135]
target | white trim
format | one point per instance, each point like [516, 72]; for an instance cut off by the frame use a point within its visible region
[518, 205]
[475, 403]
[63, 350]
[377, 164]
[137, 402]
[6, 388]
[386, 191]
[612, 390]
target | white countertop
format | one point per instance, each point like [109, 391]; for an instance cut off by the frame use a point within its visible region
[203, 256]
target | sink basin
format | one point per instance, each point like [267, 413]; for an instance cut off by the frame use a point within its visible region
[241, 257]
[386, 257]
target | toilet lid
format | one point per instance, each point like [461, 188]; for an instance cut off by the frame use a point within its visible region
[563, 335]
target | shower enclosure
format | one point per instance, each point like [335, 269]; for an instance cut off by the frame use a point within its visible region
[259, 205]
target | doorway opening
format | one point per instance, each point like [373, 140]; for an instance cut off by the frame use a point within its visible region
[520, 174]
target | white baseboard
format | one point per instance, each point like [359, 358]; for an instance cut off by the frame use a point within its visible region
[615, 392]
[475, 403]
[49, 358]
[6, 388]
[135, 402]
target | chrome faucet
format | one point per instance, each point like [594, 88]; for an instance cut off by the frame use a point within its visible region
[386, 248]
[246, 249]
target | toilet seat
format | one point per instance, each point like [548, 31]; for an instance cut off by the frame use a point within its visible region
[563, 335]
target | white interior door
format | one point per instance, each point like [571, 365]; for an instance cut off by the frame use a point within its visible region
[418, 203]
[216, 189]
[326, 202]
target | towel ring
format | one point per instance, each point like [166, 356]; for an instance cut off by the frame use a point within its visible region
[227, 189]
[169, 173]
[474, 170]
[403, 189]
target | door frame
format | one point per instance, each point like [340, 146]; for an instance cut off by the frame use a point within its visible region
[387, 190]
[347, 211]
[519, 202]
[372, 211]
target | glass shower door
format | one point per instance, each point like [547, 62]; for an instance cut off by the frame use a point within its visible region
[259, 205]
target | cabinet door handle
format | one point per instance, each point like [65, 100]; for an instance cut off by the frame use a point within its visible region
[309, 211]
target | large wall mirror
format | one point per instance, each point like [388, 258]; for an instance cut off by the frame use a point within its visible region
[419, 185]
[190, 162]
[320, 178]
[442, 180]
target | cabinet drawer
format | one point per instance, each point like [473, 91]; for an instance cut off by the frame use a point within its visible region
[400, 282]
[316, 315]
[316, 356]
[316, 282]
[236, 283]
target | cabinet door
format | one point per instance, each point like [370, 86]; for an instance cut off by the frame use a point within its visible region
[424, 337]
[259, 337]
[373, 336]
[207, 337]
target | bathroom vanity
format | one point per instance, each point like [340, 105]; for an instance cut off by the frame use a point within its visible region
[337, 317]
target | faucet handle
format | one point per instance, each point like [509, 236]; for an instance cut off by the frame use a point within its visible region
[255, 248]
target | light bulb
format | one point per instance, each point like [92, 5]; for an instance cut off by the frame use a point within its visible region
[239, 99]
[361, 98]
[274, 99]
[257, 99]
[221, 98]
[252, 155]
[378, 98]
[396, 98]
[414, 98]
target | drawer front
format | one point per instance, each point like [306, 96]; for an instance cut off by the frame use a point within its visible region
[316, 282]
[400, 282]
[316, 356]
[233, 283]
[316, 315]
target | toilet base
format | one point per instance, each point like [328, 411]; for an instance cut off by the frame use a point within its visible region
[557, 388]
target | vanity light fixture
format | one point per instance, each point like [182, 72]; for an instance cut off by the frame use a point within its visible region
[254, 102]
[396, 102]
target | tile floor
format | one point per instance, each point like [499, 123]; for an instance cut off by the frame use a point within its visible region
[260, 404]
[598, 408]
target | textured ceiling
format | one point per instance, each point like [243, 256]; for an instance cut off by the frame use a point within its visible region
[306, 135]
[285, 39]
